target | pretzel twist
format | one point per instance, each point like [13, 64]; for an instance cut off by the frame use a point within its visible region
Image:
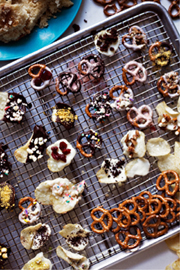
[91, 65]
[143, 117]
[174, 6]
[162, 57]
[168, 85]
[111, 7]
[94, 140]
[28, 215]
[131, 207]
[152, 226]
[69, 82]
[137, 36]
[125, 99]
[123, 3]
[104, 2]
[138, 73]
[168, 183]
[128, 236]
[40, 66]
[123, 219]
[106, 213]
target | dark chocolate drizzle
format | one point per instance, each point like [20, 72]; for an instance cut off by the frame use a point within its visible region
[70, 81]
[5, 165]
[42, 235]
[15, 108]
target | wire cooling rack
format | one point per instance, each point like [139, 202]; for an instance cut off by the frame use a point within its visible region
[25, 178]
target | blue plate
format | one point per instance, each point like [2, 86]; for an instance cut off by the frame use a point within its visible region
[40, 37]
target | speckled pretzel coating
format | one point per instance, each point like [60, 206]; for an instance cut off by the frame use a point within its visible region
[94, 141]
[101, 105]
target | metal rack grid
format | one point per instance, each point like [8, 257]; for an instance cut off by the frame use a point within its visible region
[25, 178]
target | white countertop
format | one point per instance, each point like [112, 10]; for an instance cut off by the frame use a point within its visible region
[159, 256]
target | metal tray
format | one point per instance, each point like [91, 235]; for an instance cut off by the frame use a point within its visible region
[65, 55]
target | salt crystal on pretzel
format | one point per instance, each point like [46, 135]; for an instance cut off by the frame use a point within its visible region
[140, 117]
[137, 36]
[60, 193]
[134, 144]
[136, 70]
[107, 41]
[112, 171]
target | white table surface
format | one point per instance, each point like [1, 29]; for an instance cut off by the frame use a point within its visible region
[158, 257]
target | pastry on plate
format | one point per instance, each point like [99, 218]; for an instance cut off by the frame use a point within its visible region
[112, 171]
[60, 193]
[39, 262]
[34, 237]
[34, 148]
[60, 153]
[76, 260]
[76, 236]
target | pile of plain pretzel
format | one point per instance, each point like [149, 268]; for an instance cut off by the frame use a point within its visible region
[152, 212]
[112, 7]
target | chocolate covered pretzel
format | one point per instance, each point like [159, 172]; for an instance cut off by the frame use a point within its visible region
[169, 84]
[31, 213]
[124, 100]
[137, 37]
[140, 117]
[136, 70]
[69, 82]
[41, 79]
[91, 65]
[101, 106]
[92, 141]
[160, 53]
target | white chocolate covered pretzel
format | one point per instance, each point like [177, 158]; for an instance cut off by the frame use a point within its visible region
[142, 116]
